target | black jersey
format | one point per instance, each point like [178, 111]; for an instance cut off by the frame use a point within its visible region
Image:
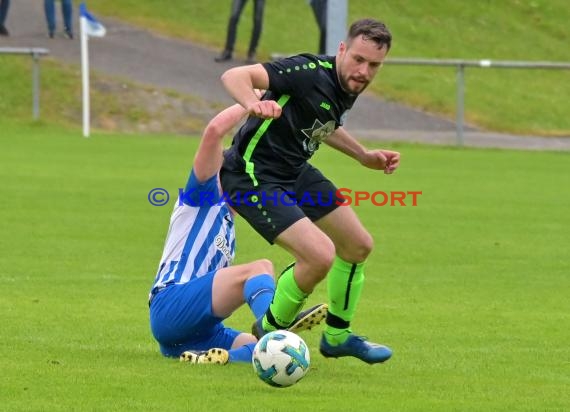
[313, 106]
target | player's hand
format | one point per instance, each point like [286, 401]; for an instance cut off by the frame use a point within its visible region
[259, 93]
[385, 160]
[392, 161]
[265, 109]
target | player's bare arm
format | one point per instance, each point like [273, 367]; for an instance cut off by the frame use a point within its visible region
[376, 159]
[240, 83]
[209, 158]
[342, 141]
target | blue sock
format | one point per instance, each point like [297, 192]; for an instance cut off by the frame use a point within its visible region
[242, 354]
[258, 293]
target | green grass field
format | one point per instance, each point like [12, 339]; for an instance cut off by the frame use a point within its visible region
[470, 287]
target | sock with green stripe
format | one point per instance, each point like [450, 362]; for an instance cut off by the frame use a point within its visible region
[344, 286]
[287, 302]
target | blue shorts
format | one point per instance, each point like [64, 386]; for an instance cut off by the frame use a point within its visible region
[181, 318]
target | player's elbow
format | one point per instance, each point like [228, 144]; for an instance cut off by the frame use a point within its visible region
[249, 77]
[213, 131]
[229, 77]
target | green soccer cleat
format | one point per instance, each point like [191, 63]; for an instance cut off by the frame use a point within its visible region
[215, 356]
[309, 318]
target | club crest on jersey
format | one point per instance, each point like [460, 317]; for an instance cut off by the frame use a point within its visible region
[317, 134]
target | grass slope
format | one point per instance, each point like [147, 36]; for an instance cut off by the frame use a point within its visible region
[116, 104]
[469, 287]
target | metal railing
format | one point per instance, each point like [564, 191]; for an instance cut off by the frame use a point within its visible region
[460, 67]
[36, 53]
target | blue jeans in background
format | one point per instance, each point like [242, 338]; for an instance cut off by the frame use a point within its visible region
[67, 11]
[4, 6]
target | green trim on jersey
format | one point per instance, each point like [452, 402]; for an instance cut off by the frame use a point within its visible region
[249, 166]
[326, 65]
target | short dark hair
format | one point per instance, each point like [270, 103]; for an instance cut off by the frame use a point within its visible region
[370, 29]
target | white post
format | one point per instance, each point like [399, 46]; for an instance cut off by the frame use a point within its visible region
[460, 103]
[85, 76]
[36, 87]
[337, 15]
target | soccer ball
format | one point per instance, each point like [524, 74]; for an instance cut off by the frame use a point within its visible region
[281, 358]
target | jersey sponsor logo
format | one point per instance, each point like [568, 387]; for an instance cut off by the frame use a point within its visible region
[222, 246]
[316, 135]
[325, 105]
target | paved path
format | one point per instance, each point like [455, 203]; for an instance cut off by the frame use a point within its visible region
[148, 58]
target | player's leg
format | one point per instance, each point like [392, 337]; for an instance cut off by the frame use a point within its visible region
[185, 325]
[345, 279]
[272, 212]
[181, 316]
[242, 344]
[344, 287]
[242, 348]
[352, 245]
[251, 282]
[352, 241]
[313, 252]
[226, 346]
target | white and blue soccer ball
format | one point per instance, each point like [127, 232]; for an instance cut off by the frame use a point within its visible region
[281, 358]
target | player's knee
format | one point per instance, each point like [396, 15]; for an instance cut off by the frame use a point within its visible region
[243, 339]
[261, 266]
[366, 245]
[266, 266]
[359, 249]
[322, 259]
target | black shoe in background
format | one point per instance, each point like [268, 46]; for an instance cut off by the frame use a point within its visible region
[4, 31]
[224, 57]
[251, 58]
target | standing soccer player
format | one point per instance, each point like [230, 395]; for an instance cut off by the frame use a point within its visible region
[195, 287]
[306, 104]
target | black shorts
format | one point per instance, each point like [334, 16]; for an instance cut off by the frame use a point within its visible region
[275, 203]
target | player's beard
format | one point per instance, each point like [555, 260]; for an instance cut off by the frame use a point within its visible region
[344, 83]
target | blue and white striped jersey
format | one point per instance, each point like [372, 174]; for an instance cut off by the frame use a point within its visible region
[201, 236]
